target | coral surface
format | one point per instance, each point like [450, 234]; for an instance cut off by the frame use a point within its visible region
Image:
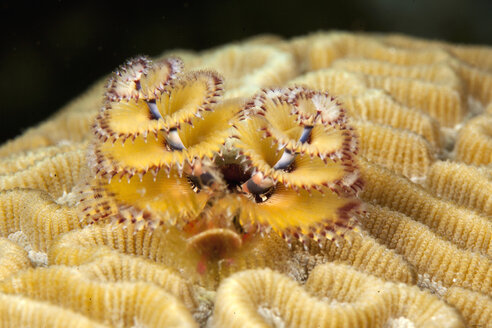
[331, 180]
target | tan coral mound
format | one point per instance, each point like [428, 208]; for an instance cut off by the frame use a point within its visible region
[19, 311]
[108, 303]
[286, 242]
[13, 258]
[467, 185]
[333, 296]
[474, 142]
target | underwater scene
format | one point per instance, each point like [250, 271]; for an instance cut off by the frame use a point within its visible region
[334, 179]
[246, 164]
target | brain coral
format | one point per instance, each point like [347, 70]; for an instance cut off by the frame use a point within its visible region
[331, 180]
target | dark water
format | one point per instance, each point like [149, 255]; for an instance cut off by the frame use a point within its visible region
[52, 50]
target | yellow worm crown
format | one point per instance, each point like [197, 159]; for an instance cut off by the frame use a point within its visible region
[168, 149]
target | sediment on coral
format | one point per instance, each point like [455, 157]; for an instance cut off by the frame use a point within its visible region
[349, 173]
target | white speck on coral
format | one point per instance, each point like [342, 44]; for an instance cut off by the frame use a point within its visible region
[203, 314]
[271, 316]
[400, 322]
[436, 287]
[37, 258]
[475, 107]
[418, 180]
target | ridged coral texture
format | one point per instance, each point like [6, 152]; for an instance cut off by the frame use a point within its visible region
[329, 180]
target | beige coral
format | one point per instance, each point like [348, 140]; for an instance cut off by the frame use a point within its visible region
[465, 228]
[56, 174]
[333, 296]
[473, 67]
[447, 265]
[475, 307]
[107, 303]
[474, 142]
[20, 311]
[422, 113]
[361, 251]
[248, 68]
[36, 215]
[466, 185]
[400, 151]
[13, 258]
[114, 267]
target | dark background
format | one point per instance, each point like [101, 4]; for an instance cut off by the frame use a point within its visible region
[53, 50]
